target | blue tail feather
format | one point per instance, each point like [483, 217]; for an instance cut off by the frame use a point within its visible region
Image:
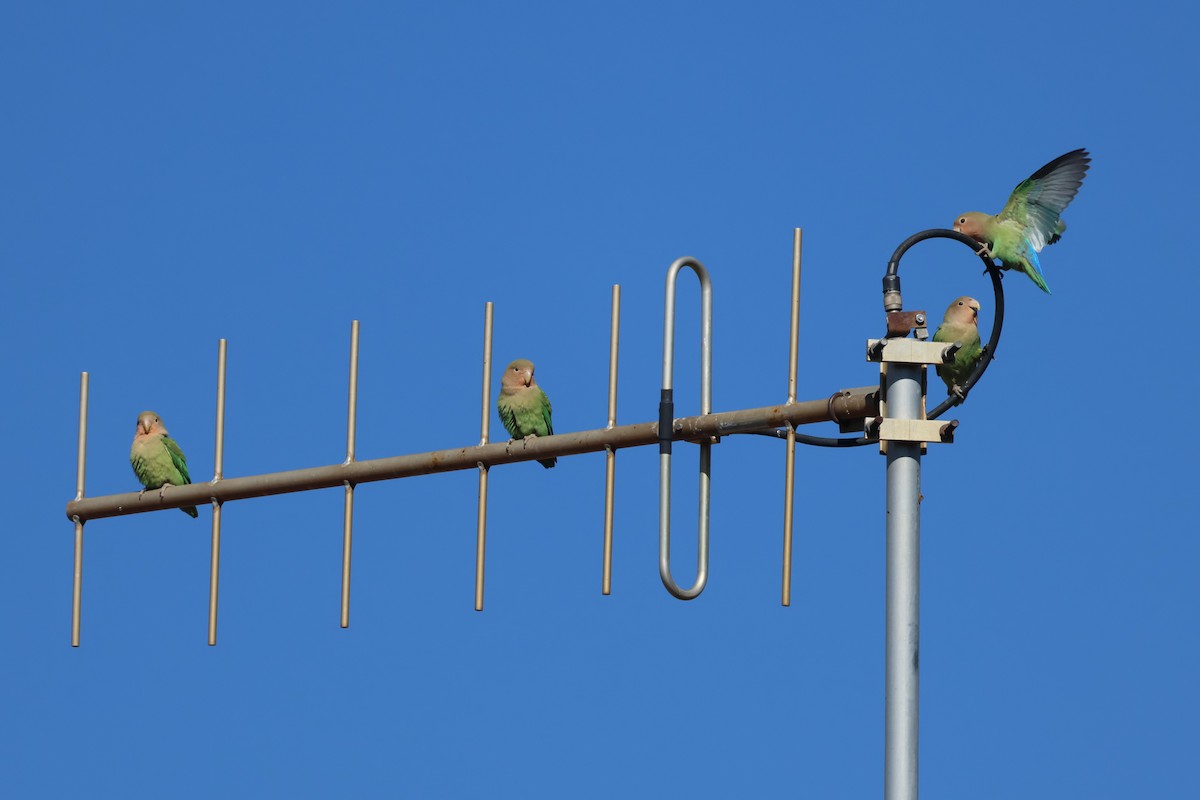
[1033, 268]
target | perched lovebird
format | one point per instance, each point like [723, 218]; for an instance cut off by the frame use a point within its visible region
[523, 406]
[157, 460]
[961, 324]
[1030, 219]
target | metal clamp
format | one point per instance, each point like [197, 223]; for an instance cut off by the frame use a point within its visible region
[910, 351]
[886, 429]
[666, 418]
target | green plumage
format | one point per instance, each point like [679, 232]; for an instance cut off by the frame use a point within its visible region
[523, 407]
[526, 413]
[1031, 219]
[156, 458]
[960, 325]
[1007, 238]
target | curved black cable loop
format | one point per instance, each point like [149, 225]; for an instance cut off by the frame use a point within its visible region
[891, 282]
[989, 350]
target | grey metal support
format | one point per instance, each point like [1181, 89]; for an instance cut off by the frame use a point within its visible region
[904, 396]
[80, 468]
[484, 428]
[903, 430]
[610, 453]
[666, 413]
[214, 569]
[847, 404]
[789, 463]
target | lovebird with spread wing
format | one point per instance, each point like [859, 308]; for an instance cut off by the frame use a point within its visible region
[961, 324]
[156, 458]
[523, 406]
[1030, 219]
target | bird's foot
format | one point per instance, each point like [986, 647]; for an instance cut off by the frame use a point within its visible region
[984, 250]
[958, 392]
[162, 491]
[142, 492]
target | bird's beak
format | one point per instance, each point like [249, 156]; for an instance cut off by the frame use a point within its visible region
[143, 426]
[958, 227]
[528, 377]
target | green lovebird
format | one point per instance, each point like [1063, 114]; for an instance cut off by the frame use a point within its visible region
[157, 460]
[1030, 219]
[961, 324]
[523, 406]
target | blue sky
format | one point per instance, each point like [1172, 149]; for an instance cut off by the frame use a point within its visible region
[267, 173]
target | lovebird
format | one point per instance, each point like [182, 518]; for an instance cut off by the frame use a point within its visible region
[523, 406]
[961, 324]
[157, 460]
[1030, 219]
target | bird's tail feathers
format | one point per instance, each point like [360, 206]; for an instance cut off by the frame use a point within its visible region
[1033, 268]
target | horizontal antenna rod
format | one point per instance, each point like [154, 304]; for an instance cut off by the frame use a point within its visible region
[844, 405]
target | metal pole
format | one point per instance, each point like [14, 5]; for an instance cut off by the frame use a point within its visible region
[610, 453]
[348, 508]
[903, 392]
[789, 463]
[484, 426]
[214, 570]
[844, 405]
[80, 465]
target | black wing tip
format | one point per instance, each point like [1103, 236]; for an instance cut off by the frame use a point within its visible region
[1081, 158]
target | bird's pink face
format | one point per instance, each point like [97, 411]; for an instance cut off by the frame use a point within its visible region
[971, 306]
[146, 422]
[970, 225]
[964, 311]
[518, 374]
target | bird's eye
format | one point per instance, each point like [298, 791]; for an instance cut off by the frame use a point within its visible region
[961, 220]
[960, 302]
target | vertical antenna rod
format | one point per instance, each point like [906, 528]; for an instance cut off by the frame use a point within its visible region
[903, 392]
[666, 414]
[214, 570]
[610, 453]
[481, 532]
[348, 515]
[789, 464]
[77, 583]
